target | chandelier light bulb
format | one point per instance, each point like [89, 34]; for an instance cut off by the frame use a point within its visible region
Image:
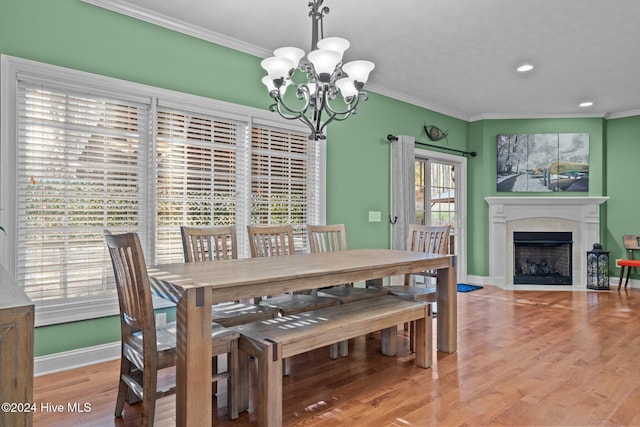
[347, 88]
[268, 82]
[277, 68]
[293, 54]
[324, 61]
[358, 70]
[337, 44]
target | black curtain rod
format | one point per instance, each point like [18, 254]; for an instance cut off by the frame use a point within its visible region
[392, 138]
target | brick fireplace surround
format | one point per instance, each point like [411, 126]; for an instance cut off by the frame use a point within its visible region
[578, 215]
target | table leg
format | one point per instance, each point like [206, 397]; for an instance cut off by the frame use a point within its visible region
[193, 364]
[447, 308]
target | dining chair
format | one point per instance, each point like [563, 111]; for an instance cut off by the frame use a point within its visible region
[277, 240]
[329, 238]
[427, 239]
[631, 244]
[215, 243]
[147, 347]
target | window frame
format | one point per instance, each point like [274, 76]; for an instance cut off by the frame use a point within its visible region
[12, 69]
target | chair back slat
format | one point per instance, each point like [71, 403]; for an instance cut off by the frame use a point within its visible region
[631, 243]
[211, 243]
[271, 240]
[327, 238]
[132, 283]
[434, 240]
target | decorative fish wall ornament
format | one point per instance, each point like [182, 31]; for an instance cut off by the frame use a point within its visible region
[435, 133]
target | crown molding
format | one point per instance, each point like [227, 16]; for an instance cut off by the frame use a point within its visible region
[170, 23]
[622, 114]
[142, 14]
[417, 102]
[503, 116]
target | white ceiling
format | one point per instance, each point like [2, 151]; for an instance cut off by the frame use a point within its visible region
[457, 57]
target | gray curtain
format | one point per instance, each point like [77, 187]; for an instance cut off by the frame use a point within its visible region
[403, 196]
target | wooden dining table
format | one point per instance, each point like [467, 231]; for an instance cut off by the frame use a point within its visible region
[194, 287]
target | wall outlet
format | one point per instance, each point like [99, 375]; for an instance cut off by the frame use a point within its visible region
[375, 216]
[161, 319]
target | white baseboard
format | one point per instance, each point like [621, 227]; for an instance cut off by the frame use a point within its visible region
[613, 283]
[477, 280]
[76, 358]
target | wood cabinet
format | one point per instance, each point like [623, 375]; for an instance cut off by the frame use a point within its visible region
[16, 353]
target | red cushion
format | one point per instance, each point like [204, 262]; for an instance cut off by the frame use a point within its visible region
[629, 263]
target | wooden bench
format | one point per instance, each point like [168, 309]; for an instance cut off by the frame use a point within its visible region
[270, 341]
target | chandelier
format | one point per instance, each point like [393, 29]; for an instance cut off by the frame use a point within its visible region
[316, 101]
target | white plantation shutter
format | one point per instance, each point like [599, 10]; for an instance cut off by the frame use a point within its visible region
[283, 180]
[78, 173]
[87, 153]
[196, 176]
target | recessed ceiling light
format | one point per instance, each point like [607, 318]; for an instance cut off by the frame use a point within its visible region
[586, 104]
[524, 68]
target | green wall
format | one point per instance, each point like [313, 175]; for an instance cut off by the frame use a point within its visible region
[482, 174]
[88, 38]
[623, 206]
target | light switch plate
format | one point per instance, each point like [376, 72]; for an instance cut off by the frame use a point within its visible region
[375, 216]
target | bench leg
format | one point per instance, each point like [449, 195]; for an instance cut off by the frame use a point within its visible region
[270, 387]
[269, 394]
[390, 341]
[424, 340]
[242, 385]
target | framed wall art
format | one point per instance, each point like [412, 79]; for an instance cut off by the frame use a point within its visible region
[543, 162]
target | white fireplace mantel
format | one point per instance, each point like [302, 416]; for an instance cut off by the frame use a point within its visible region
[579, 215]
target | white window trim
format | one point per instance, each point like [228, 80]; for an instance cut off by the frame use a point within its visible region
[12, 67]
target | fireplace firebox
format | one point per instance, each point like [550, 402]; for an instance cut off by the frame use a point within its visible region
[542, 258]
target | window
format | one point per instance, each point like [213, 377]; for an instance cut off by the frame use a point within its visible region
[435, 193]
[93, 153]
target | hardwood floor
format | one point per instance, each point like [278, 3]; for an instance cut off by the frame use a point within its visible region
[525, 358]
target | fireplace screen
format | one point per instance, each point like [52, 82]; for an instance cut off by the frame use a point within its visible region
[542, 258]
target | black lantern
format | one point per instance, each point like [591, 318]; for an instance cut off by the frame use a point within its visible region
[597, 268]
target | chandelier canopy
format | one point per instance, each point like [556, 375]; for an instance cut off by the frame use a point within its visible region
[325, 76]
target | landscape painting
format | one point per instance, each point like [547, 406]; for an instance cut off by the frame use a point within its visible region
[543, 162]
